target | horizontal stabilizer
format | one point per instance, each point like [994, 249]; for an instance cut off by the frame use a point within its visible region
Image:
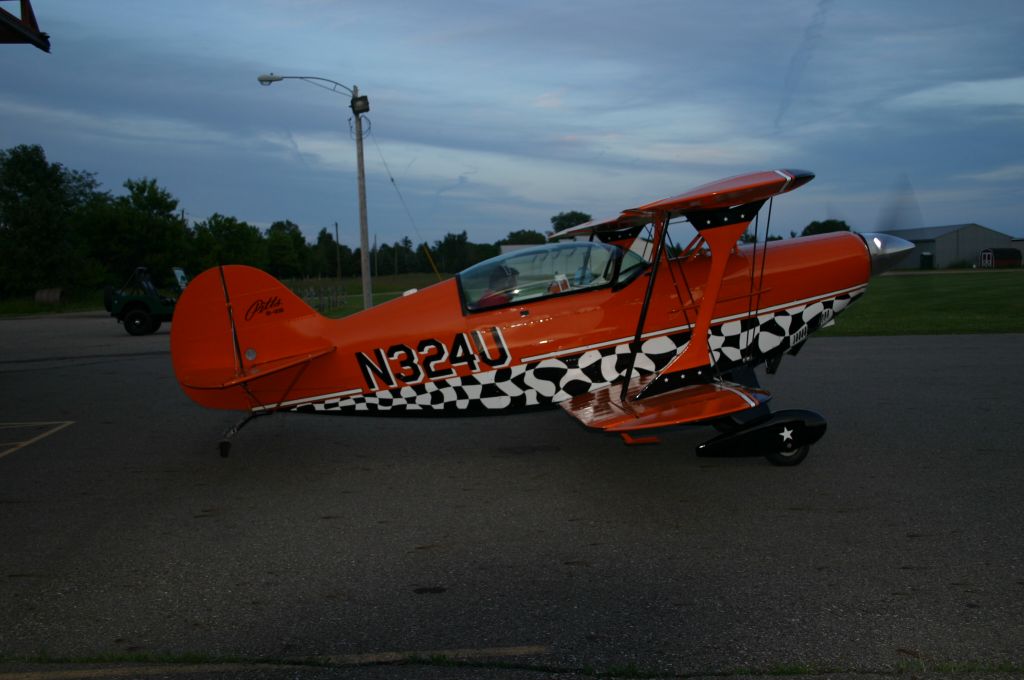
[605, 409]
[219, 378]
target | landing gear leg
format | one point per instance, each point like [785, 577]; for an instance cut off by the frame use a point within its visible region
[783, 437]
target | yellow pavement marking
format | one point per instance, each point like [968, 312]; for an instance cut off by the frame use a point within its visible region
[11, 447]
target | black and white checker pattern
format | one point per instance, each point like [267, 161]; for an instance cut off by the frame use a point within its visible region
[553, 380]
[759, 337]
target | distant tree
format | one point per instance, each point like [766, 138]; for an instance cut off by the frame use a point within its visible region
[226, 240]
[146, 196]
[140, 228]
[452, 252]
[422, 263]
[455, 252]
[565, 220]
[40, 203]
[824, 227]
[750, 238]
[523, 237]
[395, 258]
[325, 255]
[287, 250]
[406, 258]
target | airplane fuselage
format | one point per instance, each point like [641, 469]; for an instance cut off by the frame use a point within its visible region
[427, 353]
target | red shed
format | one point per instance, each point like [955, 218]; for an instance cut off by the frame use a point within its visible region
[1000, 258]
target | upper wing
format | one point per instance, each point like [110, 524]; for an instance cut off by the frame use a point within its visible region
[24, 29]
[725, 193]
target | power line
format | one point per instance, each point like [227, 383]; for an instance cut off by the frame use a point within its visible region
[401, 200]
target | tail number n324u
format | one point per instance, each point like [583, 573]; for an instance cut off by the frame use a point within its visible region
[432, 359]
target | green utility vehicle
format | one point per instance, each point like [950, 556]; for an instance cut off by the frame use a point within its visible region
[139, 305]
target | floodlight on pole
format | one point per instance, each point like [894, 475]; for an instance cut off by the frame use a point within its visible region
[359, 105]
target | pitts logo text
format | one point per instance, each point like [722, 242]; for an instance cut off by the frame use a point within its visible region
[272, 305]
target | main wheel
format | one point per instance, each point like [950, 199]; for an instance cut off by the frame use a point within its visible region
[787, 458]
[138, 322]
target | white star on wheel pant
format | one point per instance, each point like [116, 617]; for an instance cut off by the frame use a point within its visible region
[786, 434]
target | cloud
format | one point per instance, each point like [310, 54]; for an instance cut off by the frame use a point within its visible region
[557, 106]
[125, 129]
[1006, 173]
[550, 100]
[965, 94]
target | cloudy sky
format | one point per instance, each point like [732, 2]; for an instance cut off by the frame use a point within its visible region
[495, 115]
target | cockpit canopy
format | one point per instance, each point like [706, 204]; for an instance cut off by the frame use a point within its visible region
[544, 271]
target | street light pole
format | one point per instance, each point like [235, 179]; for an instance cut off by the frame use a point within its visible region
[359, 105]
[364, 231]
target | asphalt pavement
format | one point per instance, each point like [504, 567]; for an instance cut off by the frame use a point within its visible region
[507, 546]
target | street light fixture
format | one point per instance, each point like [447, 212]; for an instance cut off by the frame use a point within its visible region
[359, 105]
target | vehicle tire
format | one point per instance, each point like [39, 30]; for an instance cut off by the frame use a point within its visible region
[788, 458]
[138, 322]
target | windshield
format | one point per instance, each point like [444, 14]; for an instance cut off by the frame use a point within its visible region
[534, 273]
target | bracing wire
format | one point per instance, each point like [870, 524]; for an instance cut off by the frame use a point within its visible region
[764, 253]
[754, 305]
[764, 259]
[749, 333]
[683, 254]
[401, 200]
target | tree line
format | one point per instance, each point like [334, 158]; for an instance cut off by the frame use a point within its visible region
[59, 228]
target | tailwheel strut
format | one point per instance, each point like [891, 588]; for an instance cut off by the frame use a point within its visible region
[224, 445]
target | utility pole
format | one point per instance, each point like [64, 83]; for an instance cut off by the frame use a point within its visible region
[360, 106]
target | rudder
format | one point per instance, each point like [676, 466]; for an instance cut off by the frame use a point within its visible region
[234, 325]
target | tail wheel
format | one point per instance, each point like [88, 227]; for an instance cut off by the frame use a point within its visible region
[138, 322]
[788, 458]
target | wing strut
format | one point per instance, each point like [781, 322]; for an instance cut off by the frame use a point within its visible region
[721, 230]
[660, 227]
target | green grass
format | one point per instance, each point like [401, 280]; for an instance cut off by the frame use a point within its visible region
[895, 304]
[88, 302]
[937, 303]
[336, 299]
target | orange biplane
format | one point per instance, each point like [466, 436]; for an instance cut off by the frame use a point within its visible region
[609, 321]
